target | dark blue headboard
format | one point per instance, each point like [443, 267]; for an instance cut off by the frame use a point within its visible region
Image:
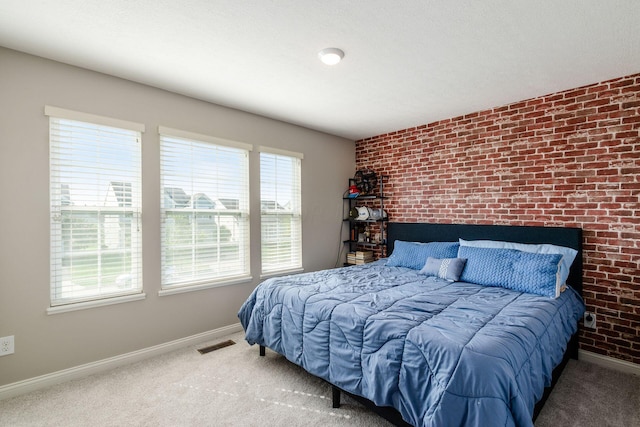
[426, 232]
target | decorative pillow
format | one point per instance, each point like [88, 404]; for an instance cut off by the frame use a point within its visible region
[415, 254]
[512, 269]
[447, 268]
[568, 254]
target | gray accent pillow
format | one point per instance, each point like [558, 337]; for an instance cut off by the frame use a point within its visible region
[447, 268]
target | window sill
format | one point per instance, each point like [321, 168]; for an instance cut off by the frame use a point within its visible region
[281, 273]
[200, 286]
[97, 303]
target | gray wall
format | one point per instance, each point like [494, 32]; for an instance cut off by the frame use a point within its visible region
[48, 343]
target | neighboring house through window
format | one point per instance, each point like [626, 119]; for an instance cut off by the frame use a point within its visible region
[280, 210]
[95, 204]
[205, 210]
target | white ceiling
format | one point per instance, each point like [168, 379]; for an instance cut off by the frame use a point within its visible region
[407, 62]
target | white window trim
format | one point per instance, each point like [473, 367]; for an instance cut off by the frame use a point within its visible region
[92, 304]
[231, 280]
[65, 114]
[293, 270]
[207, 285]
[92, 118]
[177, 133]
[281, 152]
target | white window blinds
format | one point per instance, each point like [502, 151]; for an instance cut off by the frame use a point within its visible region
[95, 202]
[205, 209]
[280, 210]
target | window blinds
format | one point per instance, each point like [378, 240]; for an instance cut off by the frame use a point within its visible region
[205, 209]
[280, 210]
[95, 202]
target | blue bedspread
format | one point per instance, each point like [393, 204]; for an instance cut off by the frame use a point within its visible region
[442, 354]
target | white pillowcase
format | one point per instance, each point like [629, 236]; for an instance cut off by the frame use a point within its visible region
[568, 254]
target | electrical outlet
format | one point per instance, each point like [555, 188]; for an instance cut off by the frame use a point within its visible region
[589, 320]
[6, 345]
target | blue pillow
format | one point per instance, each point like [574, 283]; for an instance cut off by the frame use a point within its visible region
[511, 269]
[447, 268]
[415, 254]
[568, 254]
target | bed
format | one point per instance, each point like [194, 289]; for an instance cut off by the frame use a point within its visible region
[421, 348]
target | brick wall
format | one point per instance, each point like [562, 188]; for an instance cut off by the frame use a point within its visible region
[567, 159]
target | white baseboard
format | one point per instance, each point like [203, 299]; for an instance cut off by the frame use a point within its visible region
[609, 362]
[31, 384]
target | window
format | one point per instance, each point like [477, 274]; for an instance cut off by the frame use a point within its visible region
[205, 209]
[280, 210]
[95, 204]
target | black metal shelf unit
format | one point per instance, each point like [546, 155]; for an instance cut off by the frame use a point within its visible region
[366, 232]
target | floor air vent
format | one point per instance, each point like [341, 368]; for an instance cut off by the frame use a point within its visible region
[218, 346]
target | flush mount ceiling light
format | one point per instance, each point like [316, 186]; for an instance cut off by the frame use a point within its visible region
[331, 55]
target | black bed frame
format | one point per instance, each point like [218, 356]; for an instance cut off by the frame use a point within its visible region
[427, 232]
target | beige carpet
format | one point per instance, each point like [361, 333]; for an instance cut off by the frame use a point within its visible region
[233, 386]
[588, 395]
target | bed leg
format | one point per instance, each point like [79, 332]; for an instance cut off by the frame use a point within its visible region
[262, 350]
[335, 396]
[573, 346]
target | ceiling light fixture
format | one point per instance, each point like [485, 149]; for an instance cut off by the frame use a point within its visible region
[331, 55]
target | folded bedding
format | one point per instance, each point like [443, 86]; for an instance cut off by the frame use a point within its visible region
[442, 353]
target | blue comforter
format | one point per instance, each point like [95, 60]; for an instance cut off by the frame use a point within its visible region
[442, 354]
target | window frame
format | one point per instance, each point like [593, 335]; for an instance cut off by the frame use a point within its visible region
[295, 263]
[128, 196]
[242, 212]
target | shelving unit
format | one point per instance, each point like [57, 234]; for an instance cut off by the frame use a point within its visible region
[366, 235]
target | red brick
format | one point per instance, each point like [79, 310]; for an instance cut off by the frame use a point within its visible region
[565, 159]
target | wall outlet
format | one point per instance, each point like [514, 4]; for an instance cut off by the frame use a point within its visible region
[589, 320]
[6, 345]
